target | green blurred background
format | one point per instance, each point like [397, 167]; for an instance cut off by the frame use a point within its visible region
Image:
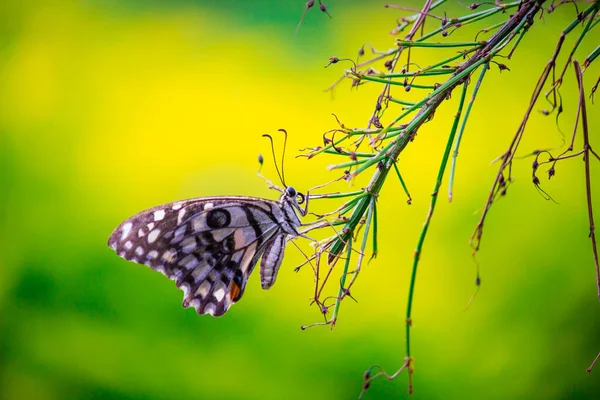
[110, 107]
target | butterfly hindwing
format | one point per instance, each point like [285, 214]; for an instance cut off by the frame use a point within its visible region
[209, 246]
[220, 277]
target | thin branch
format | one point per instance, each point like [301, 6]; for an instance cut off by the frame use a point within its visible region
[501, 182]
[588, 178]
[591, 367]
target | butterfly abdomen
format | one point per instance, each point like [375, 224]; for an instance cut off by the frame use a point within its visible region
[271, 261]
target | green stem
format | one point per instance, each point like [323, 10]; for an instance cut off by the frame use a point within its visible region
[391, 82]
[416, 74]
[336, 195]
[471, 18]
[402, 183]
[401, 102]
[434, 197]
[462, 129]
[336, 308]
[408, 43]
[363, 246]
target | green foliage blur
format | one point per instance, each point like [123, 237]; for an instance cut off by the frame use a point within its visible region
[111, 107]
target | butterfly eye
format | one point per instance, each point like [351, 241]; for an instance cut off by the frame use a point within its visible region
[301, 198]
[290, 191]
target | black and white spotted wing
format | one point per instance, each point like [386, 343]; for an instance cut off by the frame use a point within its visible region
[209, 246]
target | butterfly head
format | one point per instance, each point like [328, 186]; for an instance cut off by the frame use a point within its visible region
[293, 198]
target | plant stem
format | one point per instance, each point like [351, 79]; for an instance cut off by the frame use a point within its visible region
[434, 197]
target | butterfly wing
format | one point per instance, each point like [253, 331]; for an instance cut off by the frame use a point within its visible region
[208, 246]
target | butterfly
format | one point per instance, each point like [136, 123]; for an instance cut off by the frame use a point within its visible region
[210, 245]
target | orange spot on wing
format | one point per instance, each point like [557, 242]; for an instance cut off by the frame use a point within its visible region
[234, 292]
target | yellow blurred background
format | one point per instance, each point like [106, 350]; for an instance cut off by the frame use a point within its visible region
[111, 107]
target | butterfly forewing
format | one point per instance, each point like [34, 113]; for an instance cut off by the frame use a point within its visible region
[208, 246]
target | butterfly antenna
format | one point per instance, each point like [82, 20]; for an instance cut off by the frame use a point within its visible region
[283, 155]
[274, 159]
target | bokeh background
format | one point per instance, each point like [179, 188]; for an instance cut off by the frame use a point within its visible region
[110, 107]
